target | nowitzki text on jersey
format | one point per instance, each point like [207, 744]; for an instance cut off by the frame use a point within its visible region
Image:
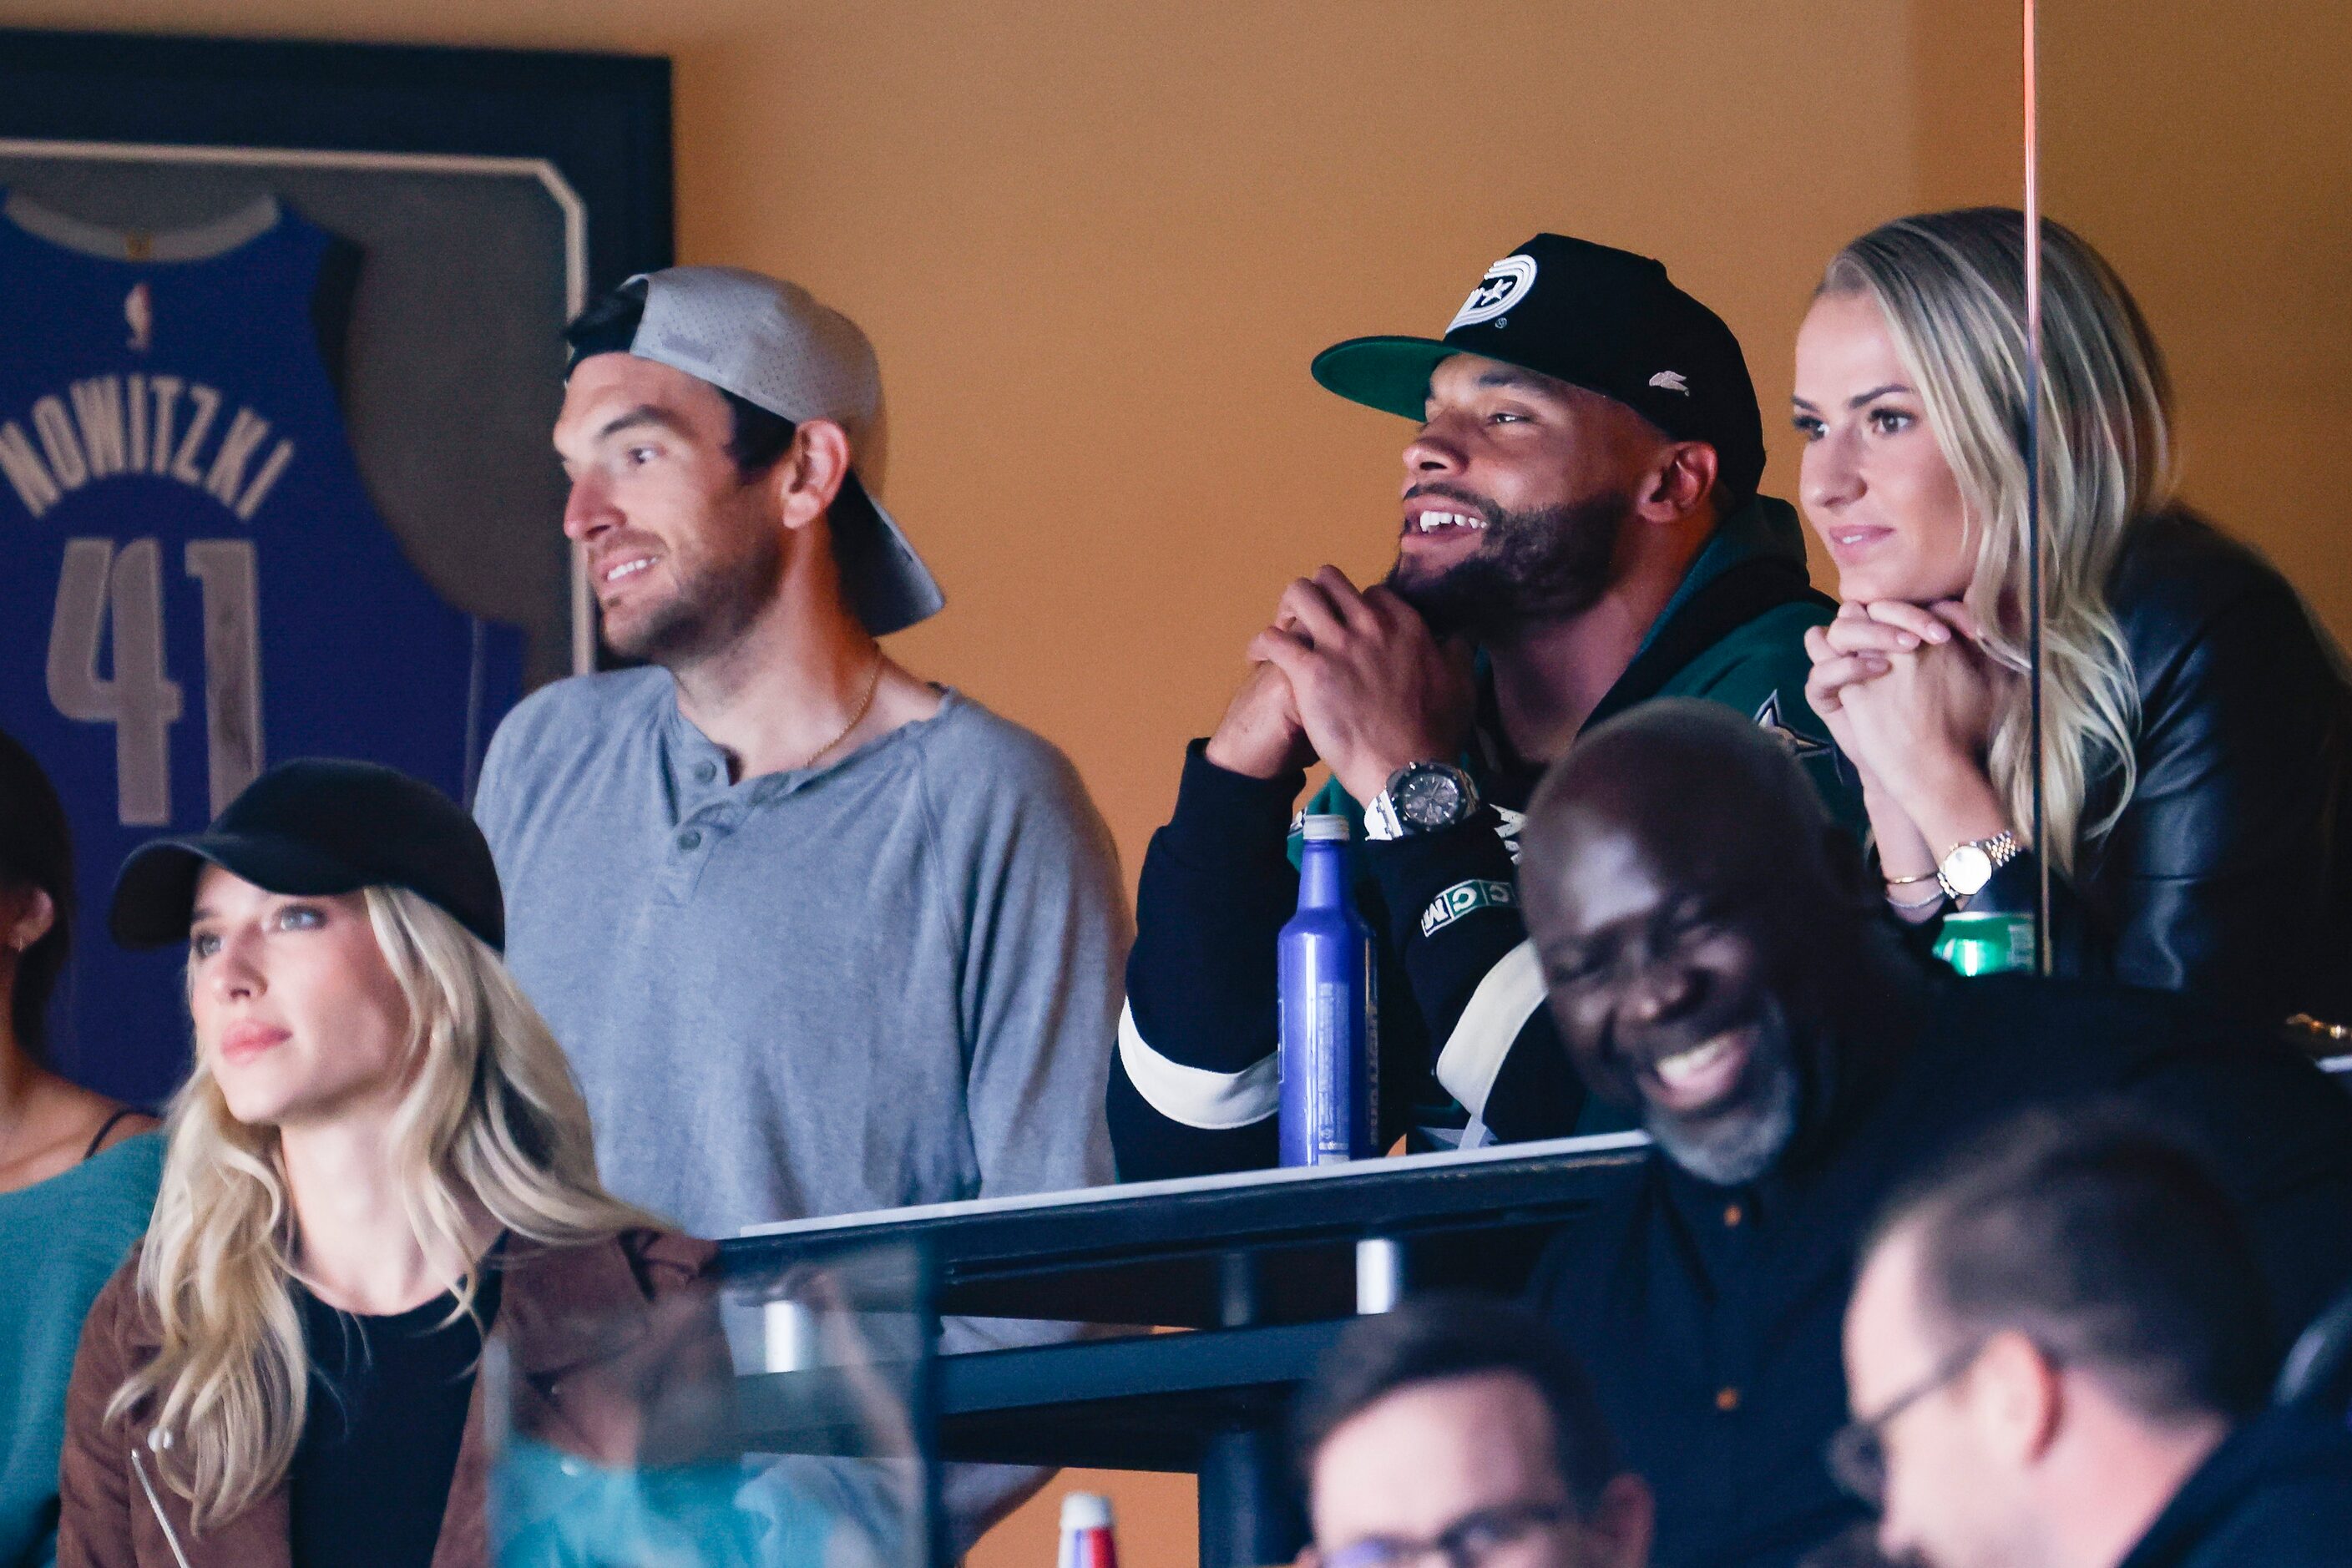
[165, 426]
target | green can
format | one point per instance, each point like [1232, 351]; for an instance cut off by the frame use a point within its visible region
[1986, 943]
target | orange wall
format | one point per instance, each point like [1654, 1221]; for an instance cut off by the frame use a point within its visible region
[2204, 149]
[1097, 244]
[1096, 241]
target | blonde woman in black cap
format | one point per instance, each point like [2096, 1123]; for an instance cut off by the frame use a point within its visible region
[380, 1154]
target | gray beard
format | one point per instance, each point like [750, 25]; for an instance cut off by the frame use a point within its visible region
[1737, 1150]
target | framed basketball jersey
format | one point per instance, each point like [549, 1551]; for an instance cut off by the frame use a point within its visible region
[162, 637]
[197, 584]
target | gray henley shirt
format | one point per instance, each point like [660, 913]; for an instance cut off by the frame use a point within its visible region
[894, 979]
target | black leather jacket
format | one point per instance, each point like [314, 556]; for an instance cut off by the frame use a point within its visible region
[2226, 874]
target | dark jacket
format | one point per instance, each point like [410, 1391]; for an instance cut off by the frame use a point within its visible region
[2276, 1493]
[2229, 872]
[1465, 1038]
[1708, 1316]
[556, 1311]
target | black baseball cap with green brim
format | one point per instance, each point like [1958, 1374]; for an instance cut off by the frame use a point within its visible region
[315, 827]
[1605, 319]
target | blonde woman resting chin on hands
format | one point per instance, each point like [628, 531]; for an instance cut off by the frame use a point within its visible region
[2196, 726]
[379, 1155]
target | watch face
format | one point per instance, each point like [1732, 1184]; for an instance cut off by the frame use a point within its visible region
[1430, 797]
[1967, 869]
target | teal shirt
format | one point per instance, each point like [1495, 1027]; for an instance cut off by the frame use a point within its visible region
[60, 1241]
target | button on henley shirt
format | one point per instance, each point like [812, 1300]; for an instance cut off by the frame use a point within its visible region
[893, 979]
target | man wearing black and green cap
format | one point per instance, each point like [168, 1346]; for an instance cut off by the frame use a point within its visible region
[1580, 532]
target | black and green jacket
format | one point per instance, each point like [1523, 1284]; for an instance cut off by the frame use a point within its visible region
[1467, 1050]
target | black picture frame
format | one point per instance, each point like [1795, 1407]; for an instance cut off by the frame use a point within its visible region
[592, 132]
[599, 121]
[604, 120]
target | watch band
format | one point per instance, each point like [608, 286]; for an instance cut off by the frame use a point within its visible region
[1997, 851]
[1402, 809]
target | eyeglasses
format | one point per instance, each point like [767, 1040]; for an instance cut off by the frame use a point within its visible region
[1470, 1542]
[1857, 1451]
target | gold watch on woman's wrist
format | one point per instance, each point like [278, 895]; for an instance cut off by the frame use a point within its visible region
[1966, 867]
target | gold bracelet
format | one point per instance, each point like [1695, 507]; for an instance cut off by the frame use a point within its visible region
[1907, 881]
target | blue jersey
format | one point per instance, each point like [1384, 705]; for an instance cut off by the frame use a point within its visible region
[196, 584]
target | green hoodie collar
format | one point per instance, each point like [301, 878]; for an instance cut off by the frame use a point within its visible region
[1761, 526]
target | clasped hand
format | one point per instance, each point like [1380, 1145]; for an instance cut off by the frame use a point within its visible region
[1908, 692]
[1352, 675]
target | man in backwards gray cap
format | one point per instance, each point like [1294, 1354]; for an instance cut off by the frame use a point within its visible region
[818, 935]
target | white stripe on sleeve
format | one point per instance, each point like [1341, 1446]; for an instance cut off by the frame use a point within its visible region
[1214, 1101]
[1506, 999]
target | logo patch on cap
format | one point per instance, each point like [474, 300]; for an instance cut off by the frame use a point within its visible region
[1506, 284]
[1672, 380]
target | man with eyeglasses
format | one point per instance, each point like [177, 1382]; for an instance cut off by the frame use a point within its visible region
[1456, 1433]
[2058, 1356]
[1720, 964]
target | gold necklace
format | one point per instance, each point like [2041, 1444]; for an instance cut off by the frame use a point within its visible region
[873, 680]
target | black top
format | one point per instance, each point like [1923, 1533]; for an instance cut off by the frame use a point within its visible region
[388, 1399]
[2277, 1493]
[2229, 872]
[1709, 1317]
[1217, 886]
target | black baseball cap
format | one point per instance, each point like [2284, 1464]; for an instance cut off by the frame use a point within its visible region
[318, 826]
[1595, 317]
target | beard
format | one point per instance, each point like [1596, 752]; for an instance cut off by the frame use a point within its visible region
[1531, 568]
[1737, 1144]
[715, 603]
[1733, 1150]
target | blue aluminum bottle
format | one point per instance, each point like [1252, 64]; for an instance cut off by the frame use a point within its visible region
[1330, 1040]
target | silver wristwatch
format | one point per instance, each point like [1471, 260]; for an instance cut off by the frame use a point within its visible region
[1967, 867]
[1421, 797]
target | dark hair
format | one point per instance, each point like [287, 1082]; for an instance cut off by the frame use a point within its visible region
[35, 851]
[1432, 1339]
[609, 325]
[2109, 1243]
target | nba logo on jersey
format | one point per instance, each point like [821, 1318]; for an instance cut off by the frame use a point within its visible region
[199, 586]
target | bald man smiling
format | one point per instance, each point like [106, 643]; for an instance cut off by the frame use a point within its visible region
[1719, 965]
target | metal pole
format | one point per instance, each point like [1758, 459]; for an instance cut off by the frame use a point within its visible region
[2041, 947]
[1248, 1513]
